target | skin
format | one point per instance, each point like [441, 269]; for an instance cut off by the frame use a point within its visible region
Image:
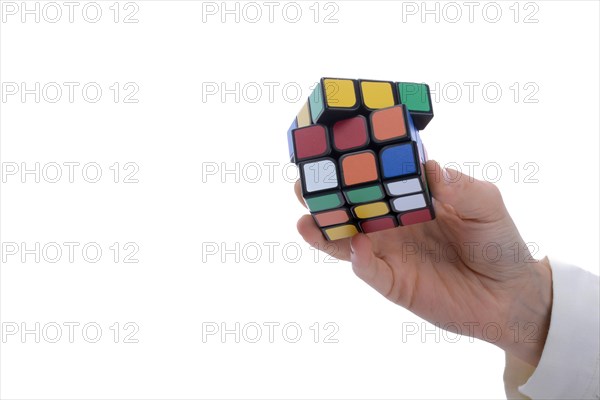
[439, 270]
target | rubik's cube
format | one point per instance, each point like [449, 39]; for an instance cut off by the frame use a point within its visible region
[361, 160]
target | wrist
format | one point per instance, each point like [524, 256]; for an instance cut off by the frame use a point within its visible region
[529, 314]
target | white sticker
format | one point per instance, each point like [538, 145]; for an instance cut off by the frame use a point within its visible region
[400, 188]
[320, 175]
[407, 203]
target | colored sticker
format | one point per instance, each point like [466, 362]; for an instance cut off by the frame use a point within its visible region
[415, 217]
[389, 124]
[415, 96]
[371, 210]
[340, 93]
[329, 218]
[377, 94]
[325, 202]
[341, 232]
[359, 168]
[365, 195]
[398, 160]
[350, 133]
[378, 224]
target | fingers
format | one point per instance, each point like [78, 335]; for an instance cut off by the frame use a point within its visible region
[298, 190]
[470, 197]
[311, 233]
[370, 268]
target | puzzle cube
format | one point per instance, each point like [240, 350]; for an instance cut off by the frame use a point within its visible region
[360, 156]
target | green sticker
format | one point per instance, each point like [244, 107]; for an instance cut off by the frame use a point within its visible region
[415, 96]
[325, 202]
[365, 195]
[317, 105]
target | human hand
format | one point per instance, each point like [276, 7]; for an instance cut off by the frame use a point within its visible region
[468, 267]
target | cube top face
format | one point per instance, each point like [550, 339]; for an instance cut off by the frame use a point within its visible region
[415, 96]
[340, 93]
[377, 94]
[331, 97]
[360, 156]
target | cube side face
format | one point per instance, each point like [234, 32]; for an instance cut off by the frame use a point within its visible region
[290, 139]
[316, 103]
[360, 156]
[304, 118]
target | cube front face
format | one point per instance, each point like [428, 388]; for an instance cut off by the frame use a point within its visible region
[360, 156]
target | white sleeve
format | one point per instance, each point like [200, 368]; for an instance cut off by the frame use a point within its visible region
[570, 363]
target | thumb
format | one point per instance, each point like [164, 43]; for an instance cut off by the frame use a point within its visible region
[368, 267]
[470, 197]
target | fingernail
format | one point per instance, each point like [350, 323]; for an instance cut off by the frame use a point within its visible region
[351, 248]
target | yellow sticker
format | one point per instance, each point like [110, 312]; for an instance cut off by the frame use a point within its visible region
[340, 93]
[341, 232]
[377, 94]
[372, 210]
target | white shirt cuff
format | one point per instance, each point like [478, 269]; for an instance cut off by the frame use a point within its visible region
[570, 363]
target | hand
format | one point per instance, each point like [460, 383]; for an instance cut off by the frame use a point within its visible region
[468, 267]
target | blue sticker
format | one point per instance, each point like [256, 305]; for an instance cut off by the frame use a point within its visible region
[398, 160]
[290, 140]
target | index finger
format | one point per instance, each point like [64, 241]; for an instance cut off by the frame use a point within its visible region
[298, 190]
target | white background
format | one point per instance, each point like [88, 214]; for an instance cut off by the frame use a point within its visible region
[174, 215]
